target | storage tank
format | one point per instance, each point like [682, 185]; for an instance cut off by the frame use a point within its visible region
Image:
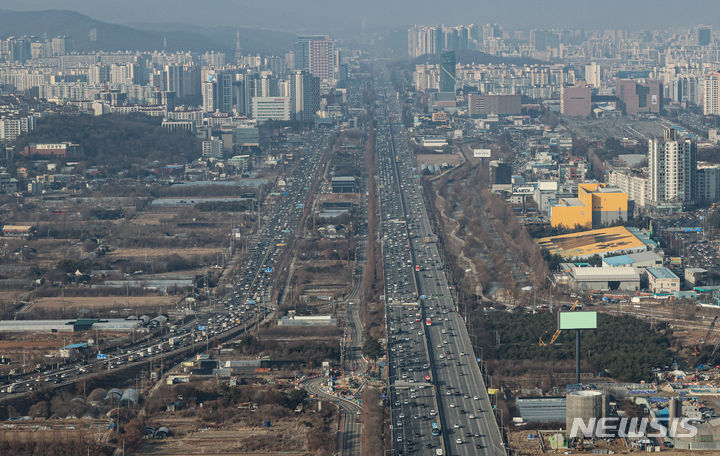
[585, 405]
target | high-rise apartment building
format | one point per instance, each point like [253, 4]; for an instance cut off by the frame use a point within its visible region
[672, 162]
[208, 96]
[424, 40]
[711, 84]
[593, 75]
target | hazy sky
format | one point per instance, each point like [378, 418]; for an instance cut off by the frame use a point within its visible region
[347, 14]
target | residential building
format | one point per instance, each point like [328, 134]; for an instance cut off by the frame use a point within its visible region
[711, 86]
[316, 54]
[672, 161]
[635, 184]
[708, 184]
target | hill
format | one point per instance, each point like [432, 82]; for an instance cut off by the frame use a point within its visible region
[466, 57]
[148, 37]
[116, 141]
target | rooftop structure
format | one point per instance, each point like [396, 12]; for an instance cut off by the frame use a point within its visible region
[603, 242]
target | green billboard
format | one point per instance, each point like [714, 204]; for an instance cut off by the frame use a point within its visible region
[577, 320]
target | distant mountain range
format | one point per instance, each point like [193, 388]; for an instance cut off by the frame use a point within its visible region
[141, 37]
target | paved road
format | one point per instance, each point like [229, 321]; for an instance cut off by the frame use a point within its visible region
[426, 335]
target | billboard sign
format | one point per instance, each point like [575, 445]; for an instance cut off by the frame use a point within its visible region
[526, 190]
[101, 356]
[577, 320]
[481, 153]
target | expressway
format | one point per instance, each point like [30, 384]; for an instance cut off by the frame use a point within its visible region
[434, 376]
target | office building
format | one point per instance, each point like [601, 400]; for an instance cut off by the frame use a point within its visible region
[271, 108]
[502, 105]
[662, 280]
[575, 101]
[212, 148]
[639, 96]
[304, 95]
[672, 161]
[316, 54]
[447, 72]
[703, 35]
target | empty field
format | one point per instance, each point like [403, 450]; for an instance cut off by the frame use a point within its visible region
[103, 302]
[150, 252]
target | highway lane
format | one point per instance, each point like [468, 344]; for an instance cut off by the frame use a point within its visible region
[464, 410]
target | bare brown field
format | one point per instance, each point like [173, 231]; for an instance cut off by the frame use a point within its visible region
[191, 437]
[437, 159]
[152, 218]
[101, 302]
[151, 252]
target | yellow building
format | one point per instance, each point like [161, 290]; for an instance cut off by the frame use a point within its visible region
[596, 205]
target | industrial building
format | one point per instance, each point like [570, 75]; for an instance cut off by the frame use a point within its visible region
[585, 278]
[602, 242]
[541, 409]
[344, 184]
[307, 320]
[636, 260]
[112, 324]
[596, 205]
[662, 280]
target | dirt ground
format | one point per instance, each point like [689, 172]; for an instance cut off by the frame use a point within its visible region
[190, 437]
[150, 252]
[102, 302]
[524, 447]
[438, 159]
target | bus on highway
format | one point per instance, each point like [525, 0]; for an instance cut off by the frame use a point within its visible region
[435, 429]
[428, 322]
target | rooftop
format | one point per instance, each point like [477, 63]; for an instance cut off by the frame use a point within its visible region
[604, 241]
[662, 273]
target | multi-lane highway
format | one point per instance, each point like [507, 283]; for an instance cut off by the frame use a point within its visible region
[439, 401]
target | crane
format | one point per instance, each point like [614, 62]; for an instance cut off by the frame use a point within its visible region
[554, 337]
[698, 347]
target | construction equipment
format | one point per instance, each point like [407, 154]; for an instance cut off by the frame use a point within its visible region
[710, 328]
[555, 336]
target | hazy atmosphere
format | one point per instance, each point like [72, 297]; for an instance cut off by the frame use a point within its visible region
[334, 15]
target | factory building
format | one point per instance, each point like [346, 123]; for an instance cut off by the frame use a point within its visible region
[597, 205]
[585, 278]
